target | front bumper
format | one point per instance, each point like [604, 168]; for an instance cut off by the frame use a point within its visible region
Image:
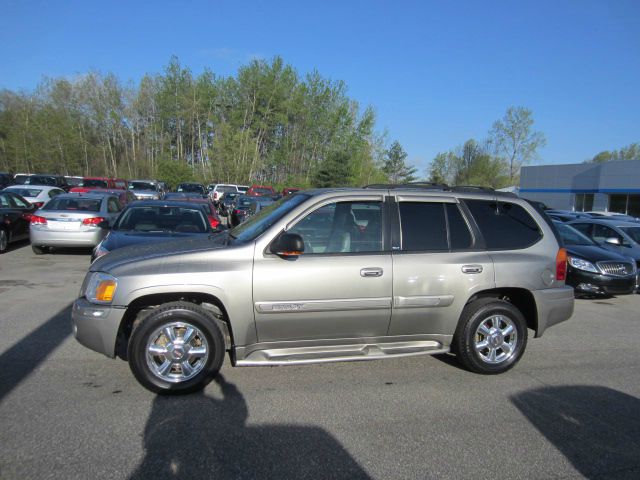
[96, 326]
[594, 283]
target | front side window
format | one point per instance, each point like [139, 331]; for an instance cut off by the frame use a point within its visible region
[342, 227]
[602, 232]
[504, 225]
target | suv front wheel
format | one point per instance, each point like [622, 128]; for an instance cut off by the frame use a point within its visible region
[491, 336]
[177, 348]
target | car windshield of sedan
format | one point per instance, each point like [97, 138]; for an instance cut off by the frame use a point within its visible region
[260, 222]
[633, 232]
[162, 219]
[74, 204]
[571, 236]
[26, 192]
[142, 186]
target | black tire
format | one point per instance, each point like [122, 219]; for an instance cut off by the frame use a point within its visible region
[468, 340]
[146, 367]
[38, 250]
[4, 240]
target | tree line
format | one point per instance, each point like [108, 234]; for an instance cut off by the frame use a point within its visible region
[267, 124]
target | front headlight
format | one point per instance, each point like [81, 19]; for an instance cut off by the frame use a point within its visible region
[101, 288]
[581, 264]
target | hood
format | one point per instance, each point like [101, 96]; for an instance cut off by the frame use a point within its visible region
[594, 253]
[140, 253]
[118, 239]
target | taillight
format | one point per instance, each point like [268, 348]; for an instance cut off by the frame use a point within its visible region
[213, 221]
[92, 221]
[26, 216]
[36, 220]
[561, 264]
[238, 212]
[38, 204]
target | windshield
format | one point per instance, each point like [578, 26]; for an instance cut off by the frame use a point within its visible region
[96, 183]
[142, 186]
[571, 236]
[260, 222]
[263, 191]
[42, 180]
[21, 179]
[190, 187]
[161, 218]
[226, 188]
[633, 232]
[26, 192]
[73, 204]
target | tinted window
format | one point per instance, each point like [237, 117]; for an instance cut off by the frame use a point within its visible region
[96, 183]
[423, 226]
[602, 232]
[342, 227]
[582, 227]
[459, 234]
[504, 225]
[19, 202]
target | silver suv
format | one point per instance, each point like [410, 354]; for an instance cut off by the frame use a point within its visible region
[333, 275]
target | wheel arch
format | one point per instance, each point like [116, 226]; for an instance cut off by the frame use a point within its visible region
[520, 298]
[145, 304]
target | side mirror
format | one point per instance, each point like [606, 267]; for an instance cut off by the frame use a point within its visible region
[612, 241]
[288, 245]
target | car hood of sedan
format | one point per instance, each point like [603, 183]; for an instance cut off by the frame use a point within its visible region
[594, 253]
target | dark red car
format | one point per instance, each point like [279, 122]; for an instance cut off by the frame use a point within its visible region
[260, 191]
[104, 182]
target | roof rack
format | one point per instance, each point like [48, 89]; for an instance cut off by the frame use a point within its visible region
[410, 185]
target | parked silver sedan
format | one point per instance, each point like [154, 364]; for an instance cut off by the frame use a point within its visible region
[73, 220]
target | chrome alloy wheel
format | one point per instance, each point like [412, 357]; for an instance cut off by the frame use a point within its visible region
[496, 339]
[176, 352]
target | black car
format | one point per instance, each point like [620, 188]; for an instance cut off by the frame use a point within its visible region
[49, 180]
[15, 215]
[6, 179]
[245, 206]
[593, 270]
[151, 221]
[192, 188]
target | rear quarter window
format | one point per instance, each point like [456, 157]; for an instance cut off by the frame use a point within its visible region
[504, 225]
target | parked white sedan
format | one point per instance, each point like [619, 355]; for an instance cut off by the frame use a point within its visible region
[36, 195]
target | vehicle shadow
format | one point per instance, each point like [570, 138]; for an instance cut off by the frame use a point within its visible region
[197, 436]
[26, 355]
[596, 428]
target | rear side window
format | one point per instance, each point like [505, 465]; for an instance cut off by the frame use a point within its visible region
[433, 226]
[504, 225]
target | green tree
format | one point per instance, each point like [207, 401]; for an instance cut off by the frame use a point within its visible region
[630, 152]
[174, 172]
[514, 140]
[395, 167]
[335, 171]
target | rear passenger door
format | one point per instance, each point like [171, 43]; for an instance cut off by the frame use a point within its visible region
[438, 263]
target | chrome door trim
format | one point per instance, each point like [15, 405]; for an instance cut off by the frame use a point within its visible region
[422, 301]
[324, 305]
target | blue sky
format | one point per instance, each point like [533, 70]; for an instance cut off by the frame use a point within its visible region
[437, 73]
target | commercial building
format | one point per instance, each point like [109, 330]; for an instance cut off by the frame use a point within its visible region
[609, 186]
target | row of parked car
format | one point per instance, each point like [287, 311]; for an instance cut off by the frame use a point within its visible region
[603, 251]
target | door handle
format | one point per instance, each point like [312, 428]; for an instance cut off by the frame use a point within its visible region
[472, 269]
[371, 272]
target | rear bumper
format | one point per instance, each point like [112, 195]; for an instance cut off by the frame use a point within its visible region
[554, 305]
[72, 238]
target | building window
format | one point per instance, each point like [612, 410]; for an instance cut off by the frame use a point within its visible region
[629, 204]
[583, 202]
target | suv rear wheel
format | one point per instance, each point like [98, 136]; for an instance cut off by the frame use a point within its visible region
[177, 348]
[491, 336]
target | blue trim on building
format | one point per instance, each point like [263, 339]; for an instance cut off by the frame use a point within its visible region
[580, 190]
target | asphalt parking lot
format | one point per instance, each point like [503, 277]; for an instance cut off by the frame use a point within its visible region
[570, 409]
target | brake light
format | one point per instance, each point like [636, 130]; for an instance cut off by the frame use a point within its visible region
[36, 220]
[213, 221]
[38, 204]
[93, 221]
[561, 264]
[27, 217]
